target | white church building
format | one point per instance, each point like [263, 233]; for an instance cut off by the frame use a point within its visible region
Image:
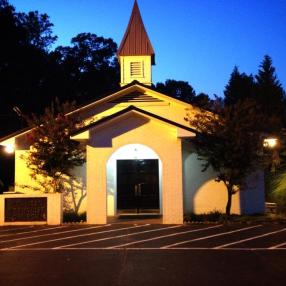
[139, 153]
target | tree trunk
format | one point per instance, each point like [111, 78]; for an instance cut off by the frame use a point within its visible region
[229, 201]
[74, 199]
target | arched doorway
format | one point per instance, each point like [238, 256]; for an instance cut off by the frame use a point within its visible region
[134, 181]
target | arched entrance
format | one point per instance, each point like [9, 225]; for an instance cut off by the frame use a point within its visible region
[134, 181]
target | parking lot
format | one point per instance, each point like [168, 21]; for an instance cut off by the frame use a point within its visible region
[144, 237]
[143, 254]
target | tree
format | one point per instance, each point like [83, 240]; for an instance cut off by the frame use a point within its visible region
[202, 100]
[53, 155]
[229, 140]
[178, 89]
[239, 87]
[270, 94]
[90, 66]
[24, 62]
[38, 29]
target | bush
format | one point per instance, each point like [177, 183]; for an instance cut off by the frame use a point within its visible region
[276, 189]
[213, 216]
[74, 217]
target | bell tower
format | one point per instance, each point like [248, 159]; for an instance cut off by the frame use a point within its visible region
[135, 54]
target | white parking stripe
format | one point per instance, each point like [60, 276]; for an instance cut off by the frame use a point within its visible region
[210, 236]
[163, 236]
[74, 236]
[113, 237]
[32, 231]
[250, 238]
[140, 249]
[5, 230]
[134, 242]
[277, 245]
[131, 234]
[49, 234]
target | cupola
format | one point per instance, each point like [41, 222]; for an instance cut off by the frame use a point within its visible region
[135, 54]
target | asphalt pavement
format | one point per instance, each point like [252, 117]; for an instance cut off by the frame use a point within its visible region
[143, 254]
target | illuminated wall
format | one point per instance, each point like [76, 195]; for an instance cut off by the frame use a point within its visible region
[25, 184]
[202, 194]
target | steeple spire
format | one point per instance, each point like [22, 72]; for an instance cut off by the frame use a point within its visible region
[135, 53]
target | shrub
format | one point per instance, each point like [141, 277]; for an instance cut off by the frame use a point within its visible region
[71, 216]
[213, 216]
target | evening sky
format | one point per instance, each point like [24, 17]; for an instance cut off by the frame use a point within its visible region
[198, 41]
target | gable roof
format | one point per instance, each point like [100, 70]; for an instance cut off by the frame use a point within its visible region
[128, 89]
[129, 109]
[126, 92]
[135, 40]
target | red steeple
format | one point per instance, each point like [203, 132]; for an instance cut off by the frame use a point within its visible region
[136, 41]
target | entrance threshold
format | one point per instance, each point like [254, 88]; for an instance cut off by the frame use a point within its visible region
[142, 218]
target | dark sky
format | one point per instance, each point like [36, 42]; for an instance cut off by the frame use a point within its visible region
[198, 41]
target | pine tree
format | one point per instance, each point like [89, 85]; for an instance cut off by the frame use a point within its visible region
[239, 87]
[270, 94]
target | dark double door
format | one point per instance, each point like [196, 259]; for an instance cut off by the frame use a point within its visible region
[138, 186]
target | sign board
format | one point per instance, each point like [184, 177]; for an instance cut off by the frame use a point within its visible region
[25, 209]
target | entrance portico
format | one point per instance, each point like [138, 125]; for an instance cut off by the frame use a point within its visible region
[131, 133]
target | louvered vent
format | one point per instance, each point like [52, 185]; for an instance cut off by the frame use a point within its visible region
[136, 97]
[136, 69]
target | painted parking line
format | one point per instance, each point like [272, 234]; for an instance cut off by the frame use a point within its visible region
[113, 237]
[177, 249]
[249, 239]
[154, 230]
[49, 234]
[162, 236]
[75, 236]
[209, 236]
[127, 235]
[32, 231]
[278, 246]
[10, 229]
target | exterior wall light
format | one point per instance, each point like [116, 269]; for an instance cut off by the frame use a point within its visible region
[10, 149]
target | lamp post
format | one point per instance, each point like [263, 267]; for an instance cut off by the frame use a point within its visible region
[270, 143]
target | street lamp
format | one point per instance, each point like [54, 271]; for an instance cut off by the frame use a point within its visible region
[270, 143]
